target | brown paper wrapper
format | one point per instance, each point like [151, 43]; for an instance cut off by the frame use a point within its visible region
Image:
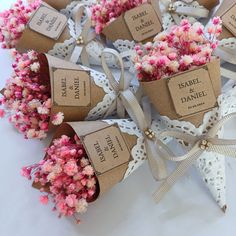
[118, 29]
[224, 7]
[32, 40]
[209, 4]
[159, 95]
[58, 4]
[71, 113]
[109, 178]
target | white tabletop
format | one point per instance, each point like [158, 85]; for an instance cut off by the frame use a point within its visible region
[127, 210]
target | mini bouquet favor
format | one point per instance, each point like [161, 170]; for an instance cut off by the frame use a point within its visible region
[178, 72]
[45, 90]
[67, 34]
[137, 20]
[182, 80]
[85, 160]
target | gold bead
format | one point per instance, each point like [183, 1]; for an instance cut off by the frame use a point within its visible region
[205, 145]
[150, 134]
[171, 8]
[80, 40]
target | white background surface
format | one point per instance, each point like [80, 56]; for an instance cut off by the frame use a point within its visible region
[127, 210]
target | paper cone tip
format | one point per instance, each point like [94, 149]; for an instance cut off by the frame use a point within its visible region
[2, 91]
[224, 208]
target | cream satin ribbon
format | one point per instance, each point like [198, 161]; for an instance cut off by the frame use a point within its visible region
[157, 164]
[205, 143]
[172, 8]
[126, 100]
[82, 34]
[118, 86]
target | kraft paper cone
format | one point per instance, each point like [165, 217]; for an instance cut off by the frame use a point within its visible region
[58, 4]
[225, 6]
[32, 40]
[110, 178]
[209, 4]
[118, 29]
[159, 95]
[71, 113]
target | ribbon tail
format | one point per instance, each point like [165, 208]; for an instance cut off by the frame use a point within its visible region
[120, 109]
[158, 164]
[176, 18]
[76, 54]
[224, 150]
[84, 57]
[177, 173]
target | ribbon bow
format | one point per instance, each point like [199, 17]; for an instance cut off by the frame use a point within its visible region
[81, 33]
[206, 143]
[126, 100]
[157, 164]
[173, 8]
[118, 86]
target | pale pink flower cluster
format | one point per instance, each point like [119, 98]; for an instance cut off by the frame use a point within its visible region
[107, 11]
[13, 22]
[66, 176]
[179, 49]
[27, 96]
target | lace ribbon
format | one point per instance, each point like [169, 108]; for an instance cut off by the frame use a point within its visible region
[82, 34]
[175, 10]
[206, 143]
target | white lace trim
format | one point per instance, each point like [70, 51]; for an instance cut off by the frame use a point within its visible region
[126, 47]
[138, 152]
[228, 43]
[210, 165]
[94, 48]
[101, 108]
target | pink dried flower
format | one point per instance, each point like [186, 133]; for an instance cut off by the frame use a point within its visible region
[66, 176]
[27, 96]
[2, 113]
[179, 49]
[13, 22]
[44, 199]
[106, 11]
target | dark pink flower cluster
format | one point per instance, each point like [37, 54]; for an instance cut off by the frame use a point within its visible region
[13, 22]
[179, 49]
[66, 176]
[107, 11]
[27, 96]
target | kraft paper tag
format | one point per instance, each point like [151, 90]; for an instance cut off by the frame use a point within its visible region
[71, 87]
[229, 20]
[48, 22]
[192, 92]
[142, 22]
[106, 149]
